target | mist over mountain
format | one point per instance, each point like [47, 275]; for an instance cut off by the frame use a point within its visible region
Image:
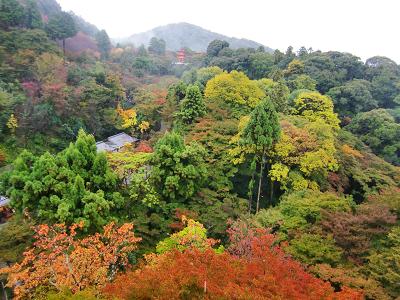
[180, 35]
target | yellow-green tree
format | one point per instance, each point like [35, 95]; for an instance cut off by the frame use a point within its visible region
[12, 123]
[314, 106]
[306, 151]
[277, 91]
[128, 117]
[234, 88]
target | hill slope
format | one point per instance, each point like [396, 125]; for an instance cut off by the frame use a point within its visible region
[181, 35]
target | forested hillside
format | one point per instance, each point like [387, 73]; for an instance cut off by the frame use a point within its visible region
[255, 174]
[184, 35]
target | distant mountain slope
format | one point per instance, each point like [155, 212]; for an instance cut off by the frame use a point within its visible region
[182, 35]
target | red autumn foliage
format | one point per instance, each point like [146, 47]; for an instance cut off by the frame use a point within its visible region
[80, 42]
[144, 147]
[60, 260]
[180, 215]
[266, 273]
[354, 232]
[31, 88]
[160, 96]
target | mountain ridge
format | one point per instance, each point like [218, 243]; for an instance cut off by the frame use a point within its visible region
[183, 34]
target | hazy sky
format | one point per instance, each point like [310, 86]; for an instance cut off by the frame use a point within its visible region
[364, 28]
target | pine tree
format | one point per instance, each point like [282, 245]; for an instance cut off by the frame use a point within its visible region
[11, 13]
[262, 132]
[61, 27]
[104, 44]
[33, 19]
[192, 106]
[178, 170]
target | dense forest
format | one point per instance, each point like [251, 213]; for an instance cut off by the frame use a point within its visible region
[255, 175]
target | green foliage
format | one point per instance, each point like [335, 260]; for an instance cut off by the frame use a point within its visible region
[378, 129]
[302, 82]
[261, 133]
[277, 92]
[215, 47]
[15, 236]
[104, 43]
[261, 64]
[157, 46]
[300, 210]
[11, 13]
[192, 106]
[315, 249]
[33, 18]
[177, 92]
[263, 128]
[68, 295]
[384, 265]
[332, 68]
[361, 173]
[61, 26]
[7, 104]
[201, 76]
[384, 75]
[353, 97]
[75, 185]
[178, 170]
[214, 208]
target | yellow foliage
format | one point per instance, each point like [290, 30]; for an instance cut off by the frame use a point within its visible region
[12, 123]
[295, 67]
[48, 66]
[284, 147]
[279, 172]
[128, 117]
[235, 88]
[314, 107]
[298, 183]
[308, 149]
[312, 185]
[144, 126]
[350, 151]
[238, 153]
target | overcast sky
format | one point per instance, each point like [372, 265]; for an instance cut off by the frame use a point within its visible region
[364, 28]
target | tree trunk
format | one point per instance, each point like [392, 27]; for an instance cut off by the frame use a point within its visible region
[251, 192]
[64, 50]
[253, 168]
[5, 297]
[271, 195]
[260, 181]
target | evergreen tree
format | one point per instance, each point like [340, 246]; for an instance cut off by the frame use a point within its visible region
[157, 46]
[192, 106]
[179, 170]
[262, 132]
[11, 13]
[60, 27]
[75, 185]
[33, 19]
[104, 44]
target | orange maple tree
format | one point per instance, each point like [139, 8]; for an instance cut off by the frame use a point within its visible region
[268, 273]
[60, 260]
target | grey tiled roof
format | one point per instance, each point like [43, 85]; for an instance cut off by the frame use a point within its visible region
[4, 201]
[115, 142]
